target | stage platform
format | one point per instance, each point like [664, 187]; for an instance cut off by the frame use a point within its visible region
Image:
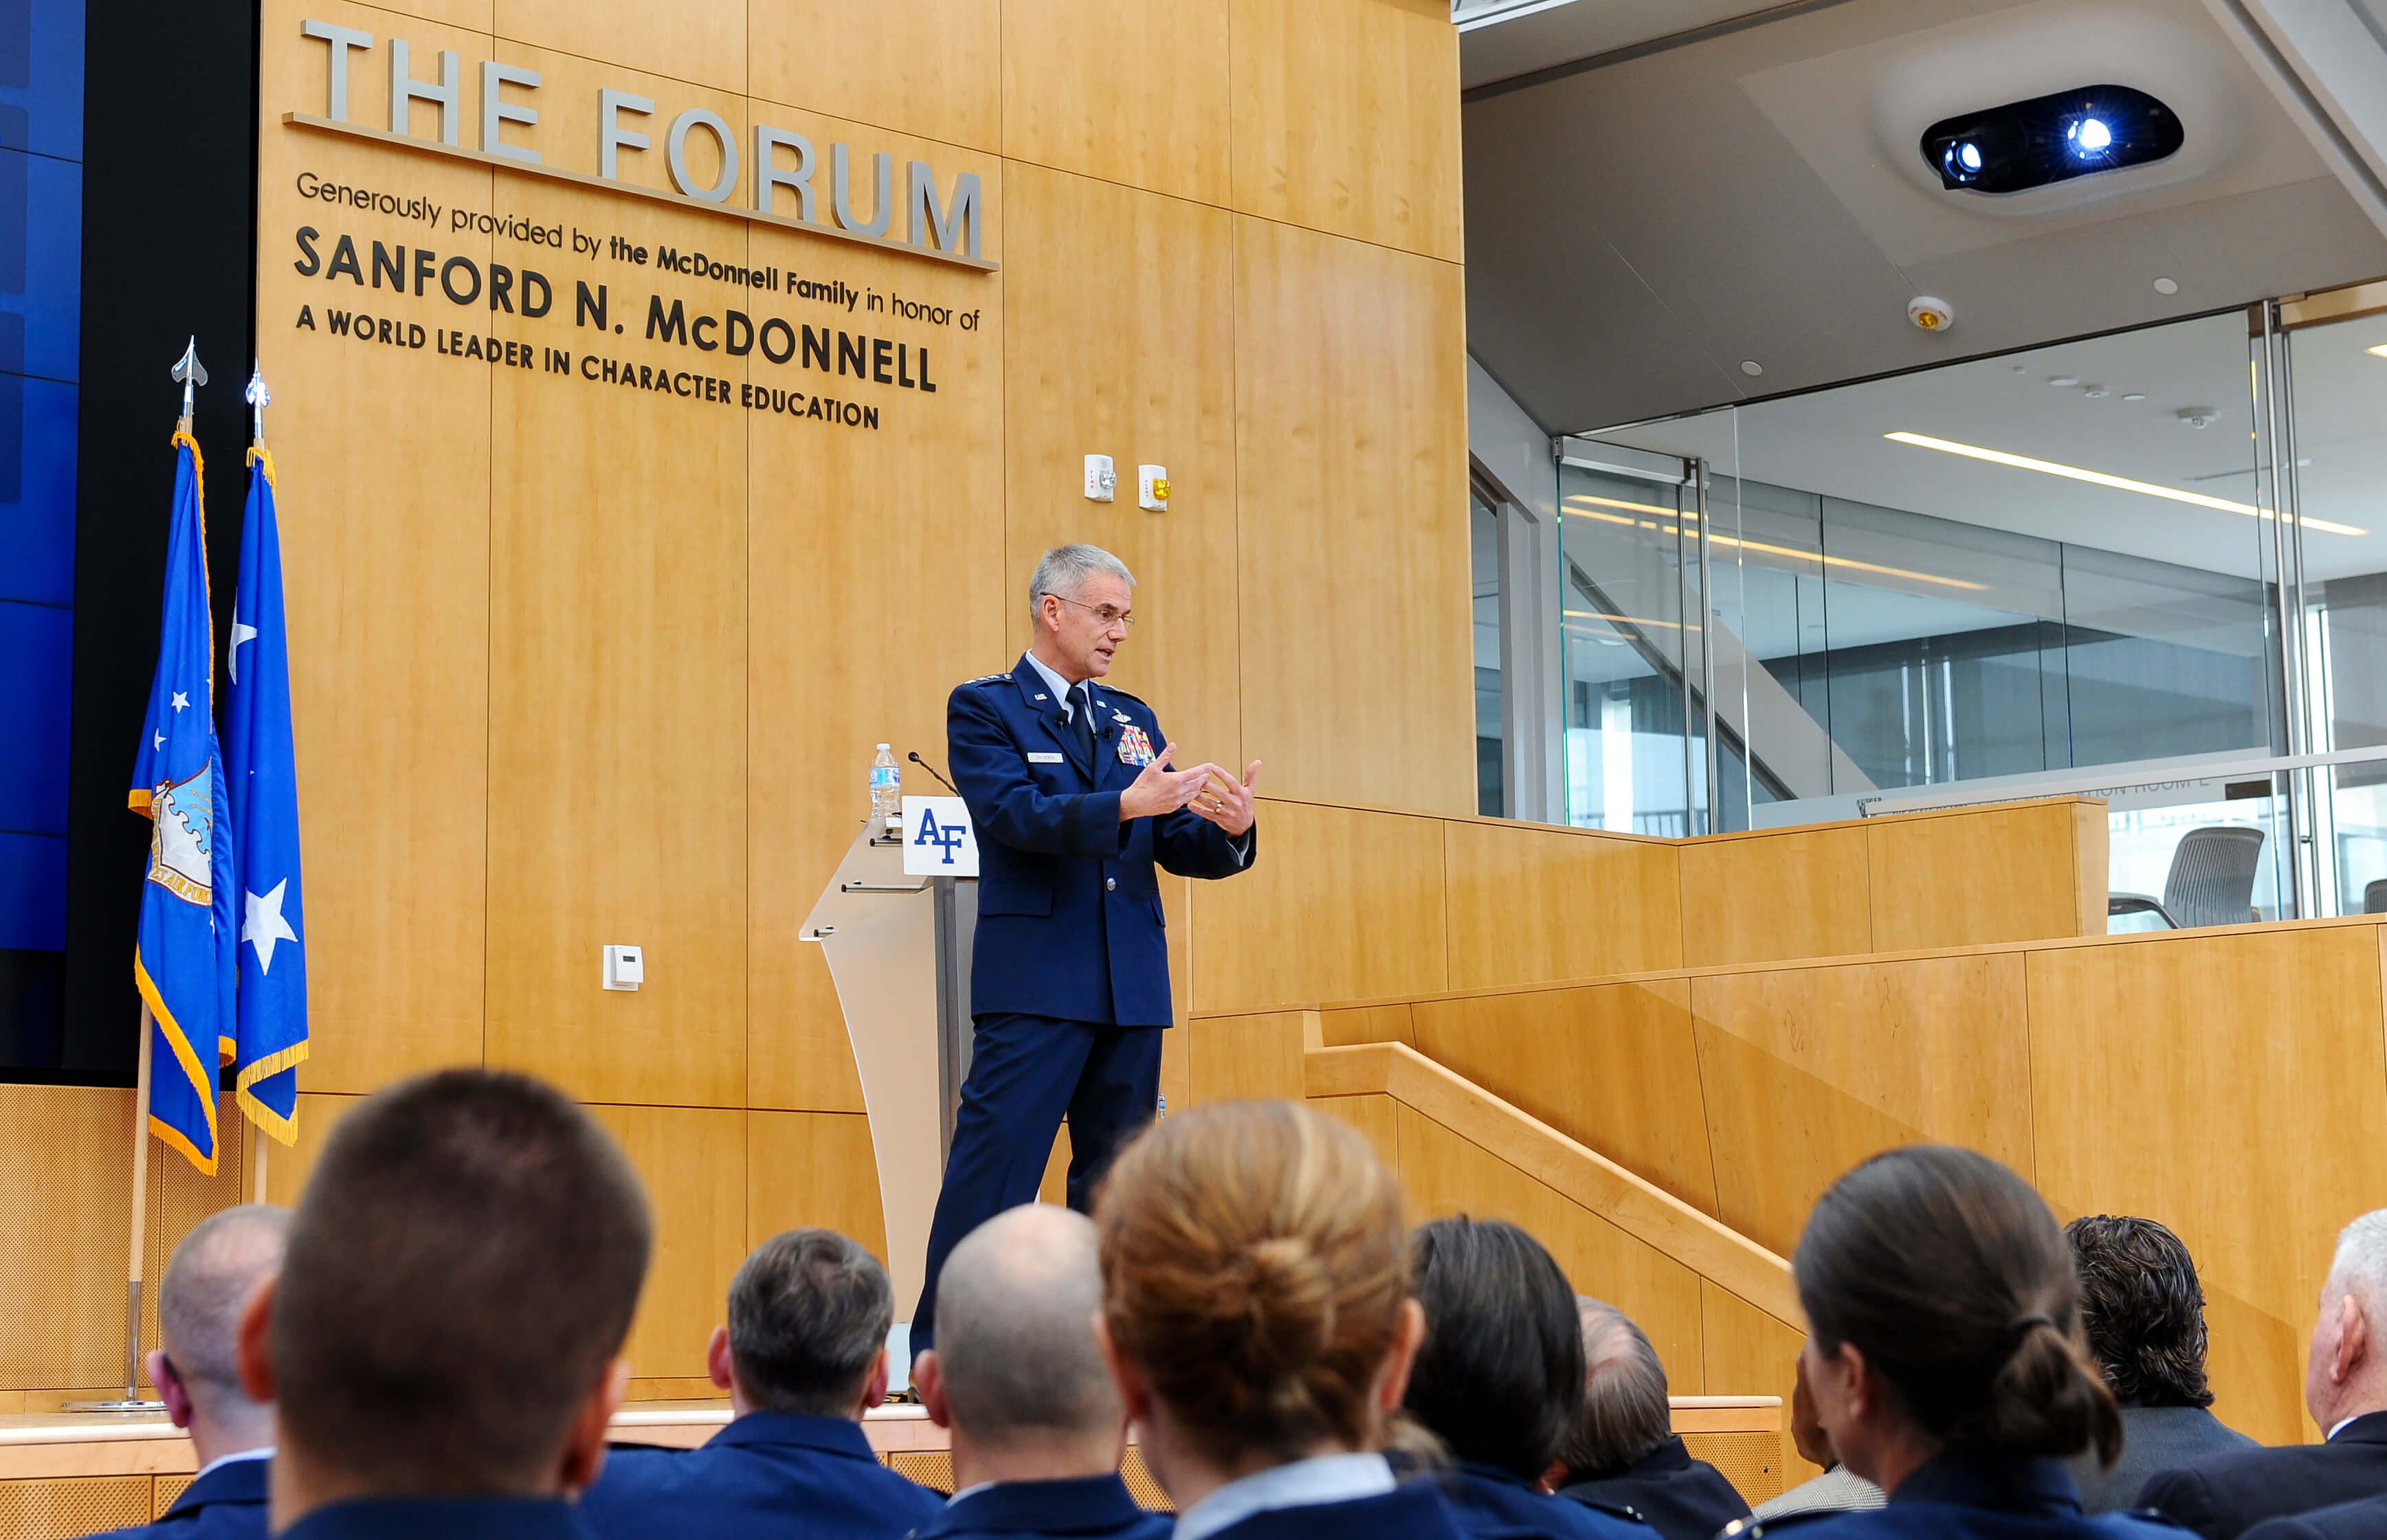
[63, 1475]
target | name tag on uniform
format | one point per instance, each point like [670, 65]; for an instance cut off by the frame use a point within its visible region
[1134, 748]
[1034, 757]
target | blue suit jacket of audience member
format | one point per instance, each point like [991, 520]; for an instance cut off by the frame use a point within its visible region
[1051, 939]
[2366, 1520]
[1493, 1503]
[766, 1473]
[228, 1503]
[2223, 1496]
[1959, 1494]
[1414, 1511]
[1087, 1506]
[447, 1518]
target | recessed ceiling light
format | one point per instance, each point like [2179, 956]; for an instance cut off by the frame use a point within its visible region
[2380, 352]
[2167, 286]
[2096, 393]
[1752, 367]
[2064, 381]
[2135, 395]
[2099, 478]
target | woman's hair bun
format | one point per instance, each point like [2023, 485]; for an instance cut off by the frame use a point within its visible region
[1287, 1299]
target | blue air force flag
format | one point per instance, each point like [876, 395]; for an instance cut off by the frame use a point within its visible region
[184, 964]
[259, 762]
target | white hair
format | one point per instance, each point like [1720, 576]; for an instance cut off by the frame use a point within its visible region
[2360, 1265]
[1063, 571]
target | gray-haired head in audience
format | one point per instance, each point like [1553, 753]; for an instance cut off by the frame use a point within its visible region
[1017, 1373]
[1624, 1412]
[196, 1367]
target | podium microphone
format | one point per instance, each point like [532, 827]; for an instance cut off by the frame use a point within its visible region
[915, 757]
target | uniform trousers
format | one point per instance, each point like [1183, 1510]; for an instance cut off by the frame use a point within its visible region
[1026, 1072]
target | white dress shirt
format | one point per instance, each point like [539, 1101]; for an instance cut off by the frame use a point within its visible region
[221, 1460]
[1303, 1484]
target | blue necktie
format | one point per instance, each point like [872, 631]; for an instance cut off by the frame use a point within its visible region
[1081, 721]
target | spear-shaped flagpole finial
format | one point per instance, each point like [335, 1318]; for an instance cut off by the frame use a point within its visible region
[258, 399]
[189, 373]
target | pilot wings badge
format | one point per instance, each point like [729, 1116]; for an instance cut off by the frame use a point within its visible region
[181, 837]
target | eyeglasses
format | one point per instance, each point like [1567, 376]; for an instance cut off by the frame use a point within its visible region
[1104, 613]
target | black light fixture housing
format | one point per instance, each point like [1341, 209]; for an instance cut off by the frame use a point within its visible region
[2049, 139]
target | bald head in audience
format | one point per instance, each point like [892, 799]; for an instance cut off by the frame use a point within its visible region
[1017, 1374]
[196, 1366]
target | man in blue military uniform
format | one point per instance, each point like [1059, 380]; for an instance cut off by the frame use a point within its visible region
[1072, 787]
[1037, 1427]
[197, 1371]
[803, 1355]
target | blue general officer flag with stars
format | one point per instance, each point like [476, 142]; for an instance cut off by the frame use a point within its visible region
[185, 963]
[260, 762]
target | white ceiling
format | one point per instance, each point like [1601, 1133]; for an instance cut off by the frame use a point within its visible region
[1638, 229]
[1831, 442]
[1500, 38]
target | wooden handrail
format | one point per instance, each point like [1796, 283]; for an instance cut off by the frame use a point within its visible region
[1649, 1215]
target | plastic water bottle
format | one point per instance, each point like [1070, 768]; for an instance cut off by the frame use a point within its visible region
[886, 790]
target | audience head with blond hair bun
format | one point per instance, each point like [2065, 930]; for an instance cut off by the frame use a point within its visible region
[1256, 1281]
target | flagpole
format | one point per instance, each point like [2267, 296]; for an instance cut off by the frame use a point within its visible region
[140, 1216]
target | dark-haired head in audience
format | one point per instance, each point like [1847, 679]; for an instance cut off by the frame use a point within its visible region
[802, 1356]
[1017, 1377]
[459, 1280]
[1622, 1451]
[1500, 1375]
[2297, 1490]
[2143, 1311]
[1258, 1320]
[1944, 1350]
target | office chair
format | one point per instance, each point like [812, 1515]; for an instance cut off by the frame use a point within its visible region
[2211, 880]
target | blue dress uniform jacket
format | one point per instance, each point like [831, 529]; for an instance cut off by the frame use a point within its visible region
[228, 1503]
[1069, 904]
[1088, 1507]
[1493, 1503]
[1959, 1494]
[1413, 1511]
[2364, 1520]
[768, 1473]
[1680, 1497]
[447, 1518]
[2221, 1496]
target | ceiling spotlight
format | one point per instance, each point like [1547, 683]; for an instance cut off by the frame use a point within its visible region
[1961, 161]
[2089, 136]
[1752, 367]
[2167, 286]
[2064, 382]
[2136, 396]
[2081, 131]
[2096, 393]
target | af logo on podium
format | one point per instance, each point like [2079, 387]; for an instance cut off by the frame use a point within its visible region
[938, 839]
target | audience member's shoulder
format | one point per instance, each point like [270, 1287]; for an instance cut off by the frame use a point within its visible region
[1931, 1520]
[2363, 1519]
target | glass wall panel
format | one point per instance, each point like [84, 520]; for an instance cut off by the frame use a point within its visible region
[1484, 552]
[1997, 570]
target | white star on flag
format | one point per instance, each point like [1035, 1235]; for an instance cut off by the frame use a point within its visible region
[264, 925]
[157, 740]
[180, 701]
[240, 633]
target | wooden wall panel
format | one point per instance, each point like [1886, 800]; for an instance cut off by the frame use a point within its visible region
[1443, 1174]
[617, 735]
[882, 573]
[1612, 1066]
[1135, 95]
[1120, 339]
[1235, 1058]
[702, 41]
[1976, 877]
[1781, 893]
[693, 1161]
[1336, 121]
[1528, 903]
[64, 1228]
[474, 15]
[386, 553]
[1806, 1071]
[1351, 467]
[813, 1168]
[923, 66]
[1273, 935]
[1377, 1117]
[287, 1168]
[2162, 1085]
[1750, 1353]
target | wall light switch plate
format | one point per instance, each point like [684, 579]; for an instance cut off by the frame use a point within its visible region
[626, 966]
[1100, 479]
[1152, 489]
